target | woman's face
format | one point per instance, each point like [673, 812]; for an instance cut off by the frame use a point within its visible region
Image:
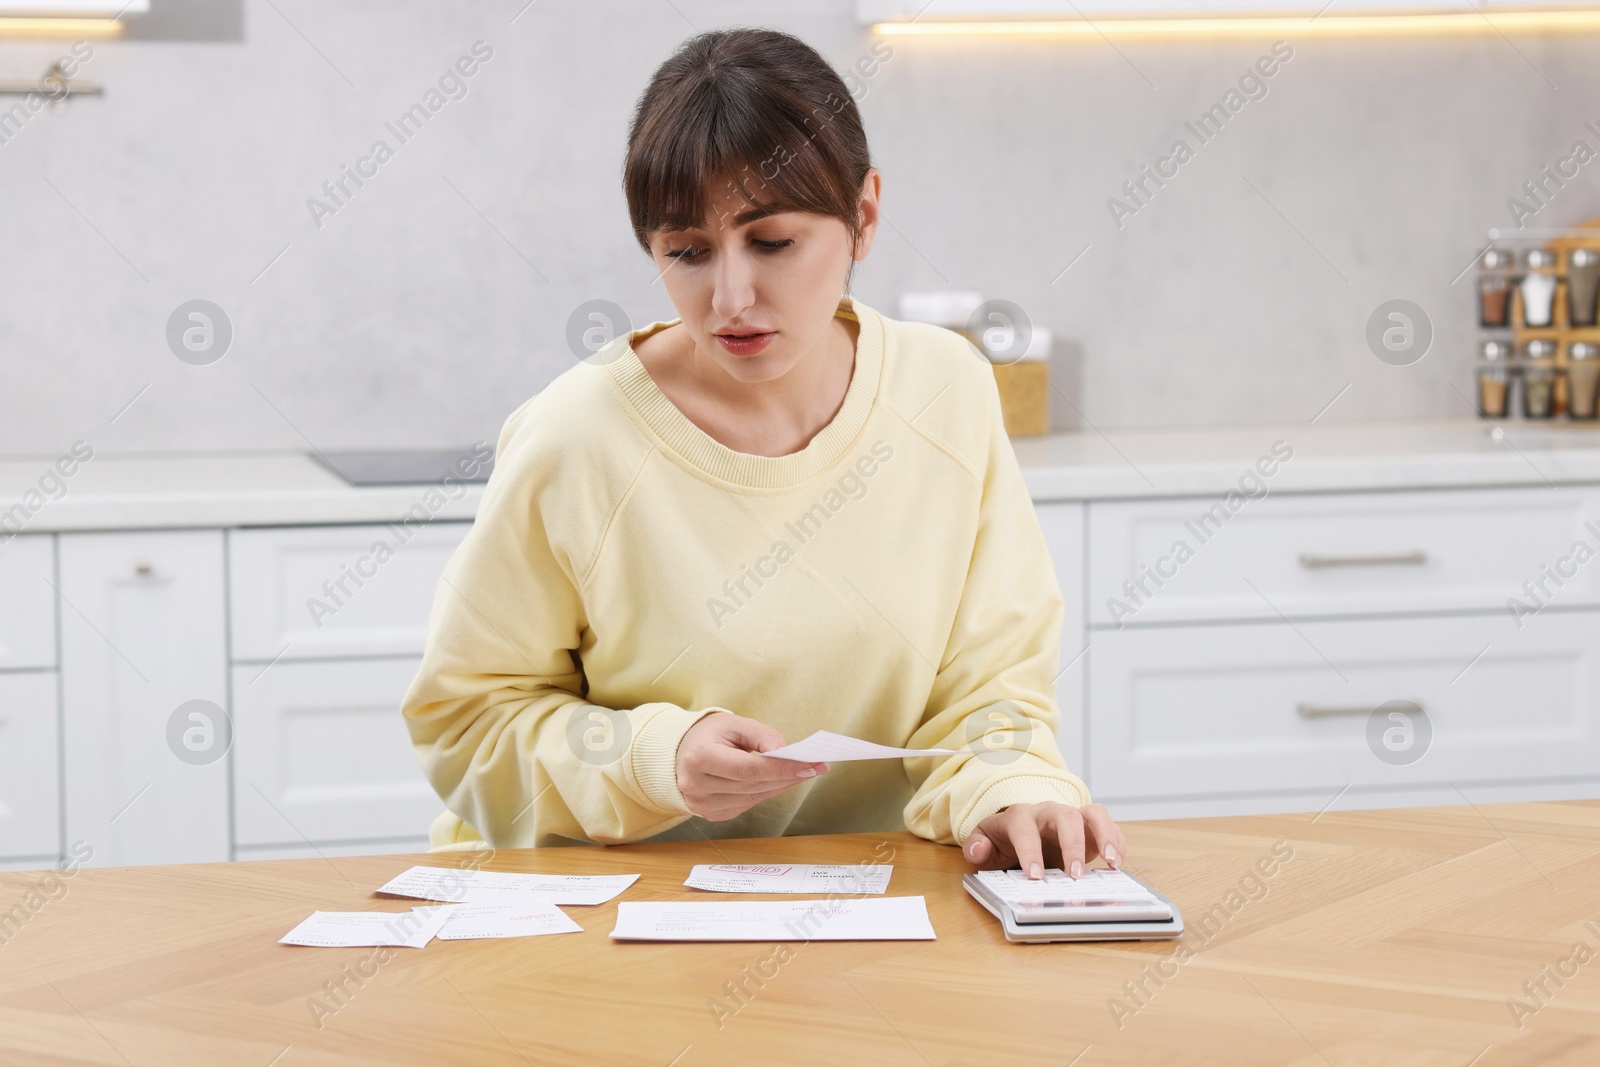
[773, 280]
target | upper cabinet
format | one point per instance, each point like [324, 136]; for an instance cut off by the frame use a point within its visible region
[77, 9]
[870, 12]
[1275, 21]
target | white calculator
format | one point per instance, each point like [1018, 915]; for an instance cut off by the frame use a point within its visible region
[1103, 905]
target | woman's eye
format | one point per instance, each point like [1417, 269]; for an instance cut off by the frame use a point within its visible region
[692, 253]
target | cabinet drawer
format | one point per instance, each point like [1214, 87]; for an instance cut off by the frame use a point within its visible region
[27, 602]
[320, 753]
[30, 768]
[1263, 707]
[320, 591]
[1338, 554]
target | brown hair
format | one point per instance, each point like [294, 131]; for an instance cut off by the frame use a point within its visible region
[759, 109]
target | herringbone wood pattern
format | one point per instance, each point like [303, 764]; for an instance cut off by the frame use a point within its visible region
[1396, 938]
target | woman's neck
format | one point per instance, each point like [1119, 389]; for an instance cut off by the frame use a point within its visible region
[773, 418]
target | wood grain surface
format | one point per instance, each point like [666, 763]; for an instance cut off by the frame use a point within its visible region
[1407, 937]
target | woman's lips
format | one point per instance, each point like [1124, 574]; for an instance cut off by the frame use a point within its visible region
[748, 345]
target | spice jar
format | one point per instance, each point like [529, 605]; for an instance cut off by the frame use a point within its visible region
[1538, 287]
[1495, 269]
[1583, 379]
[1494, 380]
[1538, 379]
[1583, 284]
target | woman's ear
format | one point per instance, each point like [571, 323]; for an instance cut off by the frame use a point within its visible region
[867, 212]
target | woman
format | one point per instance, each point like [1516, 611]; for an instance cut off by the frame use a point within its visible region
[777, 513]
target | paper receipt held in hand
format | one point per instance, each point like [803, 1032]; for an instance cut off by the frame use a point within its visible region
[825, 747]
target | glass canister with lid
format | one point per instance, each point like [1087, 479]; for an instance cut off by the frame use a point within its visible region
[1583, 285]
[951, 308]
[1494, 379]
[1583, 379]
[1538, 378]
[1538, 287]
[1495, 271]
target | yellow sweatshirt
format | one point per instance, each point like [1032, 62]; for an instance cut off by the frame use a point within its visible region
[627, 574]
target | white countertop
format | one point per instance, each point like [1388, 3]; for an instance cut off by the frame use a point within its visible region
[150, 491]
[125, 492]
[1328, 458]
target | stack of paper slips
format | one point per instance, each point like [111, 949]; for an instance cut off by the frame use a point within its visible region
[481, 904]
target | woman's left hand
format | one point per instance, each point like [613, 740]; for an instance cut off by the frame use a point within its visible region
[1036, 836]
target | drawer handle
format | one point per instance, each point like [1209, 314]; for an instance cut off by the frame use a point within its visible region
[1326, 711]
[1407, 559]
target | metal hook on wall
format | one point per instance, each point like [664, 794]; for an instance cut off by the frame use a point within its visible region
[53, 85]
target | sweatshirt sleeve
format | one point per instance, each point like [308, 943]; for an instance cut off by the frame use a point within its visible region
[496, 712]
[994, 691]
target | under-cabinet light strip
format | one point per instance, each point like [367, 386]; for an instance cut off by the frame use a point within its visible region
[1325, 25]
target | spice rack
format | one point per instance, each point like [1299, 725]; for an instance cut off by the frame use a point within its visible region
[1560, 333]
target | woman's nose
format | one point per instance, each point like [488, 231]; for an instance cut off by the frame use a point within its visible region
[734, 284]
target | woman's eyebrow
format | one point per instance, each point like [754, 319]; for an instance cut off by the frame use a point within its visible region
[743, 218]
[755, 213]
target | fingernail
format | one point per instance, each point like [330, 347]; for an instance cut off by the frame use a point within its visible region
[806, 773]
[1035, 871]
[1111, 856]
[1077, 868]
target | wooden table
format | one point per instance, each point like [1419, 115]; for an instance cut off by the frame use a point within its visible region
[1392, 937]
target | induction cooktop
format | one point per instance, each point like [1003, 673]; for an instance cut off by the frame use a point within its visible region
[365, 469]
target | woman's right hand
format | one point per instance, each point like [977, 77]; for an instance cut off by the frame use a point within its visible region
[721, 773]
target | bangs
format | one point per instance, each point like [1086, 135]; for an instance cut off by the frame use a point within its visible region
[768, 160]
[753, 113]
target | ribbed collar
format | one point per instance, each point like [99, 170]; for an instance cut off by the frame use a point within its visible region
[698, 449]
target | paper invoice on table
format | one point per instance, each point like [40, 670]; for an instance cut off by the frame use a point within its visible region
[817, 878]
[533, 918]
[502, 887]
[859, 919]
[415, 928]
[364, 929]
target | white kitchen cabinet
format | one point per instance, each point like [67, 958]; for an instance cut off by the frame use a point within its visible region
[383, 847]
[321, 754]
[30, 766]
[1275, 708]
[1062, 524]
[27, 603]
[142, 633]
[1339, 554]
[1208, 701]
[326, 591]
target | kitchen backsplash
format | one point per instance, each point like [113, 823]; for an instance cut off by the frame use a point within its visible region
[436, 284]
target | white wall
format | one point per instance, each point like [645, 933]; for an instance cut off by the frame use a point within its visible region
[408, 320]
